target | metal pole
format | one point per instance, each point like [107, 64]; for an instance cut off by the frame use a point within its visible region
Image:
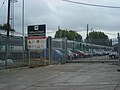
[8, 19]
[65, 49]
[50, 49]
[58, 28]
[87, 30]
[29, 58]
[7, 38]
[119, 49]
[23, 29]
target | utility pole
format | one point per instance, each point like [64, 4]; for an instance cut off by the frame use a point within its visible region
[87, 37]
[87, 30]
[60, 32]
[23, 29]
[7, 48]
[8, 19]
[58, 27]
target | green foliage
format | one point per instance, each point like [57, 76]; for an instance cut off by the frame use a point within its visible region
[97, 35]
[4, 27]
[71, 35]
[99, 38]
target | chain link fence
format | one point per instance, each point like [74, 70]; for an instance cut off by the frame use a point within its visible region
[89, 52]
[19, 58]
[58, 51]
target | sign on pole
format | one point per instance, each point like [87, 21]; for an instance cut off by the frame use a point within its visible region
[37, 30]
[36, 37]
[36, 42]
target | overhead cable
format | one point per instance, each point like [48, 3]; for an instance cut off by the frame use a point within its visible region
[88, 4]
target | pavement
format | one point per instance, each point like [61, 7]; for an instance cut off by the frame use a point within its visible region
[71, 76]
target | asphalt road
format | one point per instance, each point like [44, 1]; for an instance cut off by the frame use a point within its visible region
[71, 76]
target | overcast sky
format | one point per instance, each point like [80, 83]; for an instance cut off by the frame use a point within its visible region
[67, 15]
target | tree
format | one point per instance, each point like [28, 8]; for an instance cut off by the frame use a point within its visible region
[99, 38]
[78, 38]
[0, 26]
[71, 35]
[4, 27]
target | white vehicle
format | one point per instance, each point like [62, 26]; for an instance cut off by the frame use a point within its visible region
[113, 55]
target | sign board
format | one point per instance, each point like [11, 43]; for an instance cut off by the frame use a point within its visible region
[37, 30]
[36, 42]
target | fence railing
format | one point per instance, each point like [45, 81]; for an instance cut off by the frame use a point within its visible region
[19, 58]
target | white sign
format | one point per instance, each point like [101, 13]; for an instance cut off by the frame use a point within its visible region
[36, 42]
[35, 27]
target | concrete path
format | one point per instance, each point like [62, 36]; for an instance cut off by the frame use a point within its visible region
[72, 76]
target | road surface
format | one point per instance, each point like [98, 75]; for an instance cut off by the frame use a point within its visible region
[71, 76]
